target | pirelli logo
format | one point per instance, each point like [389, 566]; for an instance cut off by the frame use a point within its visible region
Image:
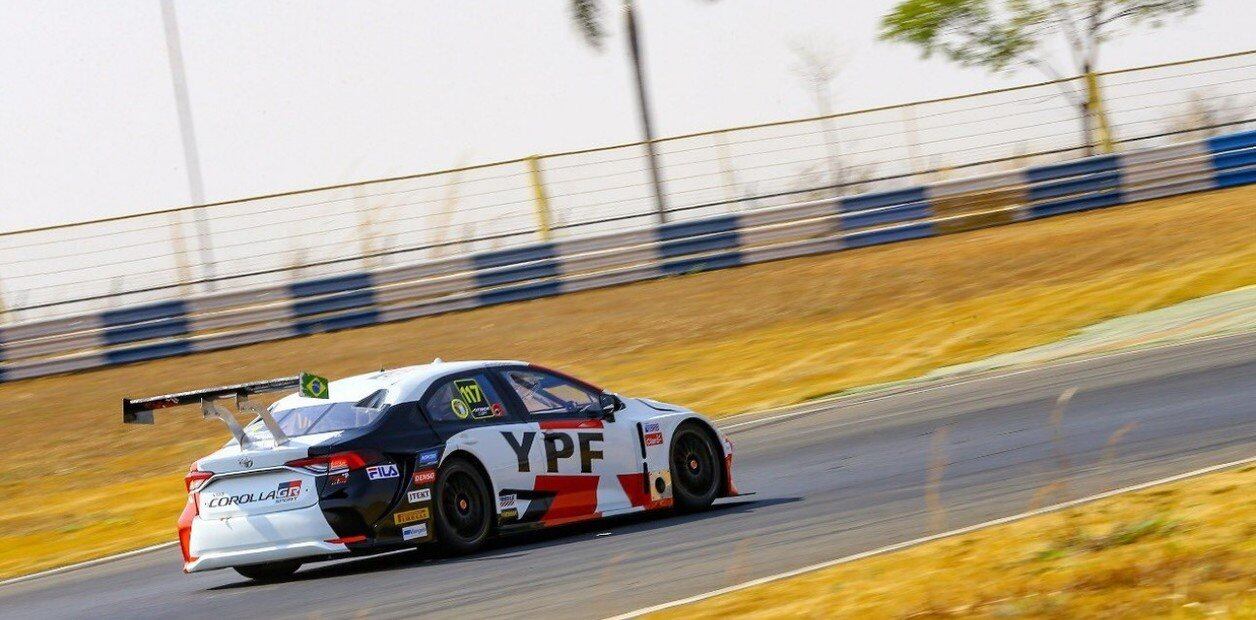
[410, 516]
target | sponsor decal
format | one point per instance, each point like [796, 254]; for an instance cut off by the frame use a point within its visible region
[652, 434]
[245, 462]
[424, 476]
[314, 386]
[420, 495]
[474, 402]
[498, 410]
[285, 492]
[414, 531]
[460, 409]
[410, 516]
[506, 501]
[288, 491]
[429, 457]
[557, 446]
[379, 472]
[510, 513]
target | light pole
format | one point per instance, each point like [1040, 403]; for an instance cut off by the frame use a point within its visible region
[191, 158]
[643, 103]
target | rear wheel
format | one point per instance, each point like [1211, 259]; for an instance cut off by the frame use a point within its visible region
[696, 472]
[464, 508]
[273, 571]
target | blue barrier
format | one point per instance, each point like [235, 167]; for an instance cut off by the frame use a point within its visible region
[540, 270]
[334, 284]
[888, 235]
[1090, 165]
[882, 199]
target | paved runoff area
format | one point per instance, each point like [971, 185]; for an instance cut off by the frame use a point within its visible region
[830, 479]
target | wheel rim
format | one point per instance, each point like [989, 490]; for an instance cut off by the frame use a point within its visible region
[693, 465]
[463, 505]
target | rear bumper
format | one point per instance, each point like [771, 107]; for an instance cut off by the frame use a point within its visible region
[262, 555]
[257, 539]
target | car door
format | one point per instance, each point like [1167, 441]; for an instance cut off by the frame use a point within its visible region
[469, 412]
[576, 462]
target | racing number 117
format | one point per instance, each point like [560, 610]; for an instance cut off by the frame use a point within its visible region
[470, 391]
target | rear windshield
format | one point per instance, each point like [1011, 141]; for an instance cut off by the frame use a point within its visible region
[320, 419]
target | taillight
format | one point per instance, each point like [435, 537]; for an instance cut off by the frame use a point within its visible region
[339, 462]
[196, 479]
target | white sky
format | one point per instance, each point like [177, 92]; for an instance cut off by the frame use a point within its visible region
[293, 95]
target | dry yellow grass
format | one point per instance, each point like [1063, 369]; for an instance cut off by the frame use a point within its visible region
[75, 483]
[1186, 549]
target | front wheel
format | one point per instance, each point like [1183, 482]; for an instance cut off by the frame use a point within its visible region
[695, 467]
[274, 571]
[464, 507]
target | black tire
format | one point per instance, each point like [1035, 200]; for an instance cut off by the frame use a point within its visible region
[697, 470]
[463, 507]
[274, 571]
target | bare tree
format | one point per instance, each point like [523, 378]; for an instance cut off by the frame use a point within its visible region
[817, 63]
[1204, 116]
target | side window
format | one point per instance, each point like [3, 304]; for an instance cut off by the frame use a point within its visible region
[466, 399]
[544, 394]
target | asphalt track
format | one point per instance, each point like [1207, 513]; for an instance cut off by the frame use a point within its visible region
[836, 479]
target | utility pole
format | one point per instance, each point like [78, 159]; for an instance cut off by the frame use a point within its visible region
[643, 101]
[191, 158]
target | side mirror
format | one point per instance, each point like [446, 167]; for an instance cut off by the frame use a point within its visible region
[609, 404]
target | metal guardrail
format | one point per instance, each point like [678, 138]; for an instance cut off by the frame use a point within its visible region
[215, 321]
[112, 263]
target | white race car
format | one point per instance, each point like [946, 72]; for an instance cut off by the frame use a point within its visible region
[447, 452]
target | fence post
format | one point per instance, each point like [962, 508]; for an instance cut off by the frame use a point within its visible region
[366, 227]
[1095, 105]
[445, 217]
[182, 268]
[730, 176]
[540, 198]
[913, 138]
[4, 310]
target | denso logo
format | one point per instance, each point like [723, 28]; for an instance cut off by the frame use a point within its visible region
[557, 446]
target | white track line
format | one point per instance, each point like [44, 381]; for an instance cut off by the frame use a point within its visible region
[66, 569]
[918, 541]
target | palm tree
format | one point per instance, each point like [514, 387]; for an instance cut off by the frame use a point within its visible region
[587, 15]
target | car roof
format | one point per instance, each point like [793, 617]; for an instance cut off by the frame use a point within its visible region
[402, 384]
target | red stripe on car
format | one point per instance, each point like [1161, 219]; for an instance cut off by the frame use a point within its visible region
[554, 425]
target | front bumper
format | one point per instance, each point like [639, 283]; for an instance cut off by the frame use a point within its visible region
[257, 539]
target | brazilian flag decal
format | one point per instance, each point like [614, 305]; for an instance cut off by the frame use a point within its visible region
[314, 386]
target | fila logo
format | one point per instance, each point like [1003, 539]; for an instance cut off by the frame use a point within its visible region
[557, 446]
[379, 472]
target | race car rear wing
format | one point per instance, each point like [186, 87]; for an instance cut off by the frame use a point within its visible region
[140, 410]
